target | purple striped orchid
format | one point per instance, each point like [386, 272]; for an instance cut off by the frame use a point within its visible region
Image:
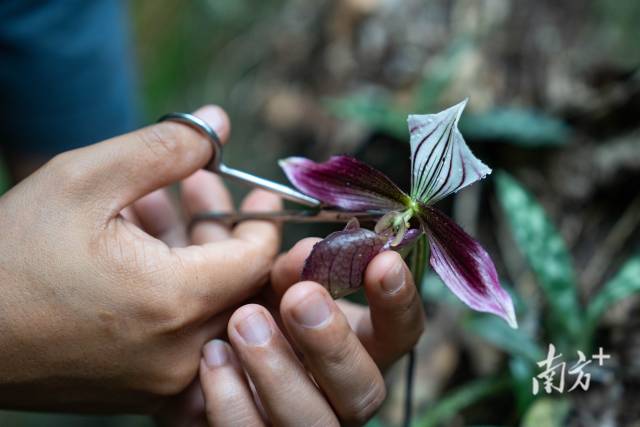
[441, 164]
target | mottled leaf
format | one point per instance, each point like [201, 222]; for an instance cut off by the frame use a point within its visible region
[441, 162]
[545, 252]
[376, 111]
[623, 285]
[516, 126]
[465, 267]
[344, 182]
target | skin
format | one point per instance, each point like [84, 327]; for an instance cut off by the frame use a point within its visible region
[97, 312]
[126, 311]
[325, 375]
[333, 371]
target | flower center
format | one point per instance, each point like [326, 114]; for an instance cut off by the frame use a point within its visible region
[396, 224]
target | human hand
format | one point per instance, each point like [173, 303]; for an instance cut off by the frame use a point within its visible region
[97, 312]
[313, 361]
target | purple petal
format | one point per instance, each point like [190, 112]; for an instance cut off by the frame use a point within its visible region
[338, 262]
[344, 182]
[408, 239]
[465, 267]
[441, 162]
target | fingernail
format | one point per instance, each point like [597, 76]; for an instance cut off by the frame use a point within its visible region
[395, 279]
[254, 329]
[313, 311]
[215, 353]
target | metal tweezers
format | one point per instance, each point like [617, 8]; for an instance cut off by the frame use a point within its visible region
[318, 213]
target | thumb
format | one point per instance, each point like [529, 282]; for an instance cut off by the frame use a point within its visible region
[127, 167]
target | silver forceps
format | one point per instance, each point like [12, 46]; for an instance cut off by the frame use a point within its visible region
[318, 213]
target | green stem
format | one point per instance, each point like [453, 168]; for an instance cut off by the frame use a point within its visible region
[417, 265]
[418, 261]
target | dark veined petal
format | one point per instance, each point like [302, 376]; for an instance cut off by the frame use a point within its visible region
[338, 262]
[465, 267]
[441, 162]
[344, 182]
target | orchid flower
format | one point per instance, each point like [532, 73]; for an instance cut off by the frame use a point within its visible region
[441, 164]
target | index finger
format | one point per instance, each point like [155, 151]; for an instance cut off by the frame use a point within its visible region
[221, 274]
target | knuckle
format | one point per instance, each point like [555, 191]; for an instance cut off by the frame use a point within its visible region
[261, 253]
[337, 346]
[172, 378]
[165, 309]
[66, 173]
[266, 246]
[364, 406]
[165, 312]
[158, 306]
[153, 284]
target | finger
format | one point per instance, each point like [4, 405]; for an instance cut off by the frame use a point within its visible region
[121, 170]
[159, 217]
[263, 231]
[288, 267]
[225, 273]
[354, 312]
[228, 398]
[340, 364]
[275, 371]
[205, 192]
[397, 317]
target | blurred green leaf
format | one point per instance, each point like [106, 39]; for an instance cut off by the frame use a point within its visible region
[379, 111]
[624, 284]
[496, 331]
[375, 422]
[522, 372]
[433, 289]
[547, 255]
[5, 182]
[457, 400]
[372, 110]
[515, 125]
[617, 24]
[547, 412]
